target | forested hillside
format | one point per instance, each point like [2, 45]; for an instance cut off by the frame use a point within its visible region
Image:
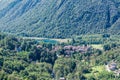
[59, 18]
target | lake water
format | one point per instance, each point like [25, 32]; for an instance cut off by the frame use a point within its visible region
[49, 41]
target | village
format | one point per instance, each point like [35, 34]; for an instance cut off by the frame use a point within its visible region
[70, 49]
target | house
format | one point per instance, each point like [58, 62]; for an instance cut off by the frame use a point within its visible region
[117, 72]
[56, 48]
[111, 66]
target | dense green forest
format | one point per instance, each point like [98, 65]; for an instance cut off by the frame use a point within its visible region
[59, 18]
[24, 59]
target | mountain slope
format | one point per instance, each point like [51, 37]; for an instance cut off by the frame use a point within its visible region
[59, 18]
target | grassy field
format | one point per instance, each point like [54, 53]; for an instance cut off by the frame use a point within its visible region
[97, 46]
[62, 40]
[98, 68]
[0, 49]
[95, 71]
